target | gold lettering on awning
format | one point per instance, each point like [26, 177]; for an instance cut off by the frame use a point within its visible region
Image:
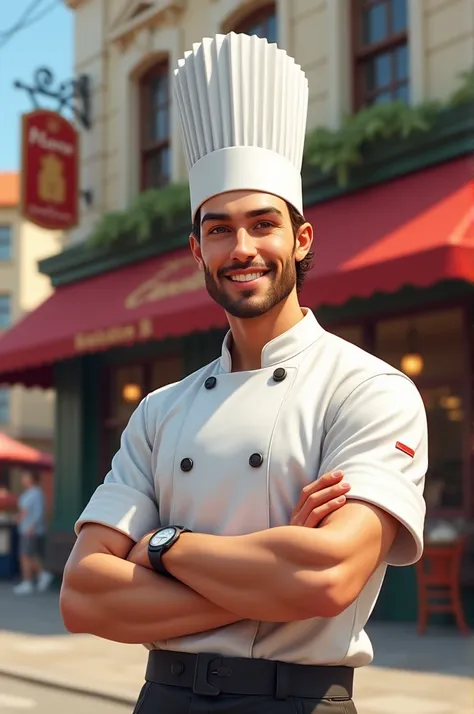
[99, 339]
[159, 286]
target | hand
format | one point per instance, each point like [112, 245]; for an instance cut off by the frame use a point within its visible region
[318, 499]
[139, 553]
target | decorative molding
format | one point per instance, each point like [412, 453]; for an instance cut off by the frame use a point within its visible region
[162, 12]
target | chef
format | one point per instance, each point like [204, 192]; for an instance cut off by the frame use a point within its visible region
[196, 541]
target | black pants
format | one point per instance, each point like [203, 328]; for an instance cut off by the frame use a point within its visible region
[164, 699]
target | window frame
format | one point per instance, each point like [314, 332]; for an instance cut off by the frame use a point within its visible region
[9, 297]
[5, 392]
[253, 17]
[9, 228]
[360, 55]
[148, 149]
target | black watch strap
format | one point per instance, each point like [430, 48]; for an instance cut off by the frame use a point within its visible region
[156, 554]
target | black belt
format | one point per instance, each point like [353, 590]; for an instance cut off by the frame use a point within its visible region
[211, 675]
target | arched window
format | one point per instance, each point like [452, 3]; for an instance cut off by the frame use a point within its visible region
[155, 163]
[261, 22]
[380, 41]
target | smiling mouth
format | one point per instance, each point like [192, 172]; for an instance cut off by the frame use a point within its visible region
[247, 277]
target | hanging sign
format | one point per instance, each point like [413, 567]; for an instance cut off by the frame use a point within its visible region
[49, 170]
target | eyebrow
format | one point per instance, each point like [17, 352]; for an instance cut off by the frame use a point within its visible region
[267, 210]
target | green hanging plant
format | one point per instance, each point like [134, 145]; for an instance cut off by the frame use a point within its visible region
[464, 93]
[340, 150]
[333, 152]
[109, 229]
[157, 205]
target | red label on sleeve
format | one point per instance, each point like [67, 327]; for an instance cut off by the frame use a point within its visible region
[405, 449]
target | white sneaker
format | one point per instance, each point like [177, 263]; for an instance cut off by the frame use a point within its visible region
[44, 581]
[24, 588]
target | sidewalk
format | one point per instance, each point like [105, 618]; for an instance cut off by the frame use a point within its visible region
[420, 675]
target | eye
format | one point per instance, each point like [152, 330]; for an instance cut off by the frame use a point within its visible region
[264, 224]
[217, 230]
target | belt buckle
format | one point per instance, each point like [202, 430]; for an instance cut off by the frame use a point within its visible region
[200, 684]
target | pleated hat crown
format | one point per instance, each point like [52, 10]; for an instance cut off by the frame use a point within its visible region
[242, 104]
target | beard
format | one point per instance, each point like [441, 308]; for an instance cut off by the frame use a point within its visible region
[247, 304]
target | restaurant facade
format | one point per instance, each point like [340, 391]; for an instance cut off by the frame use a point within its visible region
[393, 273]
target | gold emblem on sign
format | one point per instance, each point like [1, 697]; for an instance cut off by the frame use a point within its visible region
[160, 286]
[53, 125]
[51, 182]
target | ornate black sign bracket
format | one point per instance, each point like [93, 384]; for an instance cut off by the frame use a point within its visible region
[73, 94]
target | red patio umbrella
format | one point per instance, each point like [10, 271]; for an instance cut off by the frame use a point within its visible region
[15, 453]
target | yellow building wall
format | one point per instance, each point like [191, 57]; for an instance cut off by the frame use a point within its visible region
[449, 44]
[31, 410]
[114, 48]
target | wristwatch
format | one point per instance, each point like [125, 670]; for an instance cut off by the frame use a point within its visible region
[159, 543]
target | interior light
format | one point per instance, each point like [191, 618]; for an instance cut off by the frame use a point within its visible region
[412, 364]
[131, 393]
[450, 402]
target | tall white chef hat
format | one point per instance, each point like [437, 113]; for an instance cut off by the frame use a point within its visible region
[242, 104]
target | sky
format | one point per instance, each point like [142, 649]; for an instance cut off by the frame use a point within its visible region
[49, 42]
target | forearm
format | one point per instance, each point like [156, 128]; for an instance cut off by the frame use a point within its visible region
[277, 575]
[117, 600]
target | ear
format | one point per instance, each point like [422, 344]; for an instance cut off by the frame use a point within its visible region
[304, 241]
[196, 251]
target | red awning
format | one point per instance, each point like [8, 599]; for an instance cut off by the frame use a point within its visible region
[417, 230]
[18, 454]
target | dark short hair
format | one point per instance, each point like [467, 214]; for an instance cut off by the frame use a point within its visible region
[297, 220]
[35, 476]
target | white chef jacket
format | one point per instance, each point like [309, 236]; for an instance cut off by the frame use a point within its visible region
[185, 459]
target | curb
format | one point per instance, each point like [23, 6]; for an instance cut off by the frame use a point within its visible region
[33, 677]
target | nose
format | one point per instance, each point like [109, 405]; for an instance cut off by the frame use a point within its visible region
[244, 246]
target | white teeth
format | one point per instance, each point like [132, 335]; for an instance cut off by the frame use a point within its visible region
[246, 278]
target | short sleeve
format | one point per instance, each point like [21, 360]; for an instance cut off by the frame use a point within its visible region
[126, 501]
[378, 439]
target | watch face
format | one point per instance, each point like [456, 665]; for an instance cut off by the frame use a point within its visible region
[162, 537]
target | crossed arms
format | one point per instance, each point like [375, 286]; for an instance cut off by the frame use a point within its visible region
[278, 575]
[109, 589]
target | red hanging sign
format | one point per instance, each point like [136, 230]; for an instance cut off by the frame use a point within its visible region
[49, 170]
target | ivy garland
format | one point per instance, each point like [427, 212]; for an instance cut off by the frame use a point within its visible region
[332, 151]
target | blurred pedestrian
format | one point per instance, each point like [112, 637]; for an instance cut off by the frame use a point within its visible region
[32, 531]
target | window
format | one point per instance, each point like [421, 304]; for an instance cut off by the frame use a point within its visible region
[5, 243]
[262, 22]
[155, 127]
[127, 386]
[446, 412]
[4, 406]
[443, 358]
[350, 333]
[381, 51]
[439, 339]
[5, 311]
